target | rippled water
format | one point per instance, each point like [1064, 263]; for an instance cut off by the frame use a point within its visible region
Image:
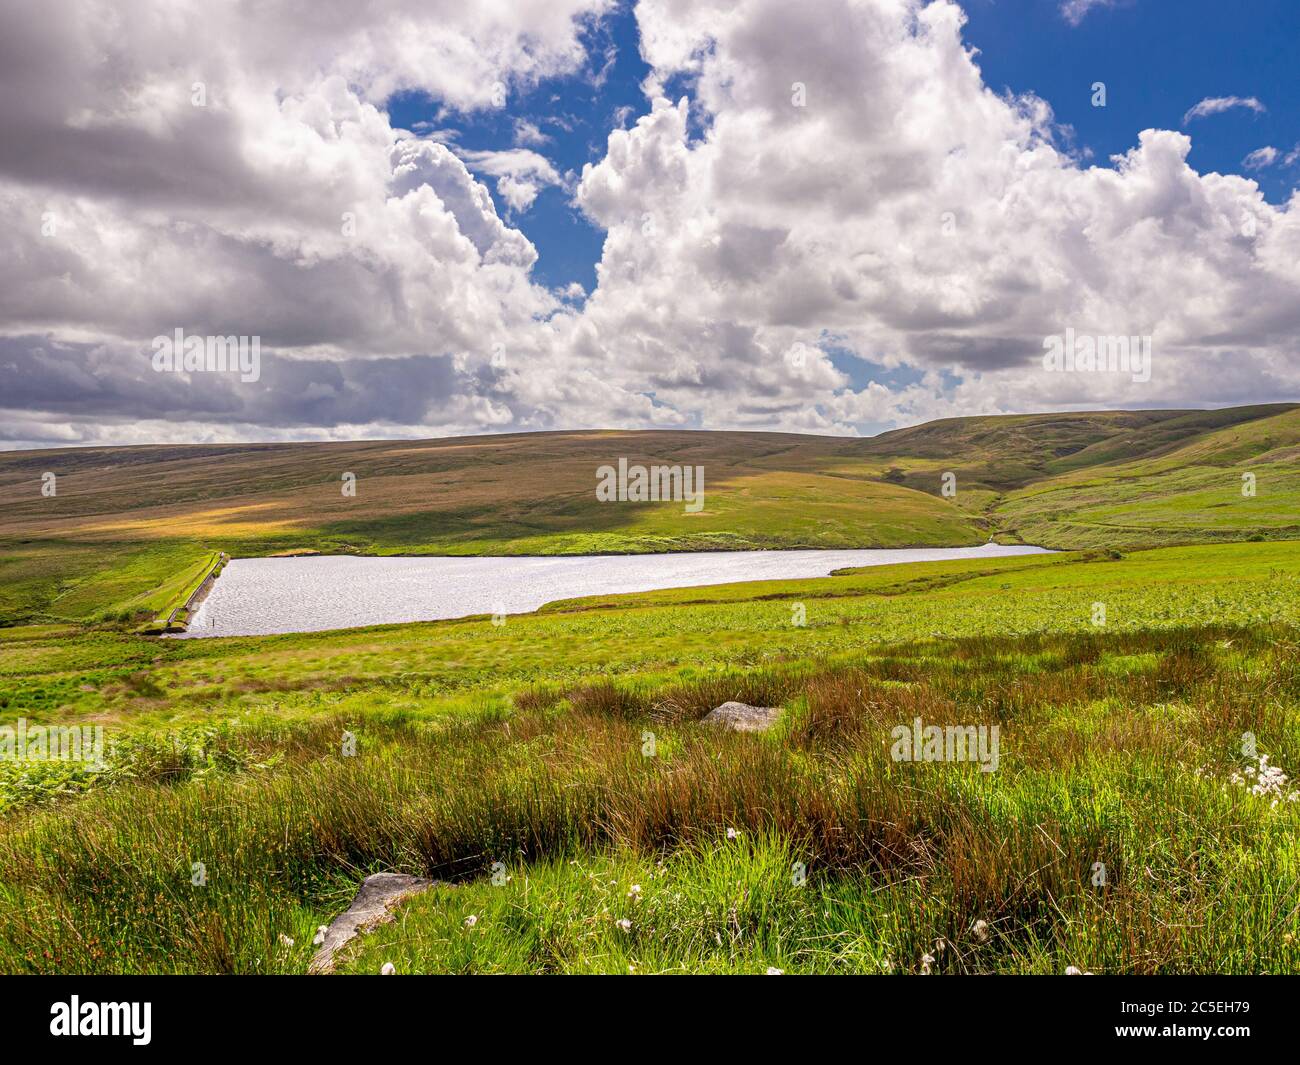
[261, 596]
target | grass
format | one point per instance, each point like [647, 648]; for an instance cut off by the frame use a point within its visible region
[120, 679]
[97, 583]
[175, 613]
[523, 745]
[1193, 493]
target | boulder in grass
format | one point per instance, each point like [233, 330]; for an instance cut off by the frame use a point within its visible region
[741, 717]
[372, 906]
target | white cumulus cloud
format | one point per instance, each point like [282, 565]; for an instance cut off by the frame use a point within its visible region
[520, 173]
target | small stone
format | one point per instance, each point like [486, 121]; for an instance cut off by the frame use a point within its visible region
[741, 717]
[375, 899]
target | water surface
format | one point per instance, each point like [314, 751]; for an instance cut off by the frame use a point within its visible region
[262, 596]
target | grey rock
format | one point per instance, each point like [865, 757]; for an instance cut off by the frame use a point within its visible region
[741, 717]
[372, 906]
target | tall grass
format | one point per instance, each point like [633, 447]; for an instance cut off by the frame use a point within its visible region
[1115, 750]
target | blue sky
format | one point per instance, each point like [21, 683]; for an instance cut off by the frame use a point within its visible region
[577, 114]
[1157, 58]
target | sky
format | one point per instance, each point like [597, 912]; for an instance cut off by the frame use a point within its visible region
[838, 216]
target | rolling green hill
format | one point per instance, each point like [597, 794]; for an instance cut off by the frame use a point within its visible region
[125, 523]
[1190, 491]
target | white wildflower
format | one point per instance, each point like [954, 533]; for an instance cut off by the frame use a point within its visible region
[1265, 781]
[389, 969]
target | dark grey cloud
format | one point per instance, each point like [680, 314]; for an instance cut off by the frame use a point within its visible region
[39, 376]
[975, 352]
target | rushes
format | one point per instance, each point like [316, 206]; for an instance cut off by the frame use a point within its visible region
[1102, 737]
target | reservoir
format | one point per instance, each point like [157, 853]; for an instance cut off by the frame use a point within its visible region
[263, 596]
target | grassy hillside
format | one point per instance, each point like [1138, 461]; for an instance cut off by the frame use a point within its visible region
[127, 523]
[1190, 491]
[1006, 453]
[500, 494]
[126, 511]
[1121, 744]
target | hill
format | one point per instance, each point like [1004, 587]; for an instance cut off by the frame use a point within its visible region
[124, 521]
